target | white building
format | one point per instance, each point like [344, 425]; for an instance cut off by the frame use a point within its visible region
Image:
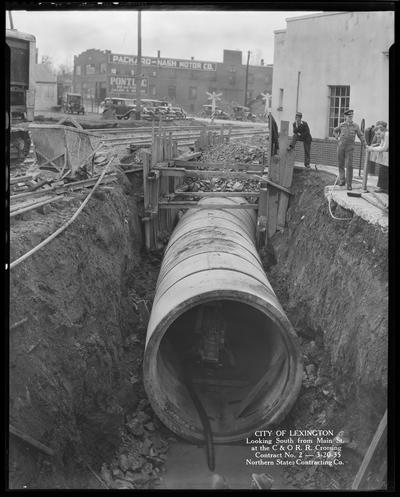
[329, 62]
[45, 88]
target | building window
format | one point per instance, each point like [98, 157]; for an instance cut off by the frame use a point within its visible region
[280, 106]
[152, 90]
[172, 91]
[339, 102]
[191, 107]
[232, 69]
[192, 92]
[78, 70]
[232, 79]
[103, 67]
[90, 69]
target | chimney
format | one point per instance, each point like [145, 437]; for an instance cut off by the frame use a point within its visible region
[191, 58]
[262, 62]
[158, 54]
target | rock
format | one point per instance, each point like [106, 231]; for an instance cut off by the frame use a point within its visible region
[218, 482]
[106, 475]
[145, 449]
[135, 462]
[116, 472]
[123, 462]
[311, 370]
[122, 484]
[135, 427]
[149, 426]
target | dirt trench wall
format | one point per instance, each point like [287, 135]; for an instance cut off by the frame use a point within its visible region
[331, 277]
[75, 362]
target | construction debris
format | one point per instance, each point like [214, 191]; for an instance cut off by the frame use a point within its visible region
[141, 459]
[236, 152]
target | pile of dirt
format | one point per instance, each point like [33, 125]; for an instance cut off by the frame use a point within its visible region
[76, 359]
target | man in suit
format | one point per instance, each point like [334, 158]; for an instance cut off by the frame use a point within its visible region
[346, 133]
[301, 132]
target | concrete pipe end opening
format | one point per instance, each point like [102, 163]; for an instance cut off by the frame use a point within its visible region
[243, 359]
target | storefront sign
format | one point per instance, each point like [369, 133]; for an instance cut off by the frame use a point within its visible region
[169, 63]
[126, 84]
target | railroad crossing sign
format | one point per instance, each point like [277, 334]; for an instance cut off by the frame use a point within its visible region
[213, 97]
[267, 98]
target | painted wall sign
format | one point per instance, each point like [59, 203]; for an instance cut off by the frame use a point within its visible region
[161, 62]
[126, 83]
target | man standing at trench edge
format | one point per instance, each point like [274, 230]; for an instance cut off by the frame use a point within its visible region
[347, 132]
[301, 132]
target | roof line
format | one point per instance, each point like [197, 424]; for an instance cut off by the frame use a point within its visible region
[311, 16]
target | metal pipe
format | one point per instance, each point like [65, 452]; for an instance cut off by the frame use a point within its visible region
[215, 311]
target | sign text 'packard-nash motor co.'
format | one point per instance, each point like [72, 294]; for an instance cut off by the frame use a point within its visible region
[161, 62]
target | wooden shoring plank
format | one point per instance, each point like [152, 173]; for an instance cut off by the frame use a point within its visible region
[378, 437]
[285, 173]
[229, 133]
[146, 159]
[193, 204]
[20, 179]
[169, 155]
[209, 138]
[174, 148]
[216, 194]
[261, 229]
[221, 135]
[30, 440]
[273, 196]
[279, 187]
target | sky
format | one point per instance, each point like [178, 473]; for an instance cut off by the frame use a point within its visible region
[177, 34]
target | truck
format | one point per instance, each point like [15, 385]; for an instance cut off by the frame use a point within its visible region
[22, 57]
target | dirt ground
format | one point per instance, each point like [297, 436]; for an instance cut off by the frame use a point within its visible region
[76, 362]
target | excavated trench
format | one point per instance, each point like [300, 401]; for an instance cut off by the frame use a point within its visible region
[76, 362]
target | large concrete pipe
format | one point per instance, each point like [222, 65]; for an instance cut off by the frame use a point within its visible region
[216, 318]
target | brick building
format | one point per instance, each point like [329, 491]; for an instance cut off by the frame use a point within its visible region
[99, 74]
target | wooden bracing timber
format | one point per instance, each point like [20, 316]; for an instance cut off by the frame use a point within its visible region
[164, 170]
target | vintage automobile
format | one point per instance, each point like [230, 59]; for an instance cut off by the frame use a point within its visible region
[219, 113]
[178, 113]
[73, 104]
[242, 113]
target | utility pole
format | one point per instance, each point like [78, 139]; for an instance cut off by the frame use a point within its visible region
[247, 78]
[11, 19]
[138, 78]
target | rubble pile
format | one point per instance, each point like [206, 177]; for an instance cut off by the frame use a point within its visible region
[217, 184]
[140, 460]
[236, 152]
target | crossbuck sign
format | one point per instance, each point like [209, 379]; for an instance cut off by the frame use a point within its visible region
[213, 97]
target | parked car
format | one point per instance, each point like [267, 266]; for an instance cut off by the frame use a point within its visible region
[122, 106]
[242, 113]
[73, 103]
[219, 113]
[178, 113]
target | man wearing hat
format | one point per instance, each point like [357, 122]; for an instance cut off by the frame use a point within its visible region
[346, 133]
[301, 132]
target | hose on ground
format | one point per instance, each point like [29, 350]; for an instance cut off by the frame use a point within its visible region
[329, 203]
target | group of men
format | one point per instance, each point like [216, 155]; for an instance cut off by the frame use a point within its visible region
[345, 133]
